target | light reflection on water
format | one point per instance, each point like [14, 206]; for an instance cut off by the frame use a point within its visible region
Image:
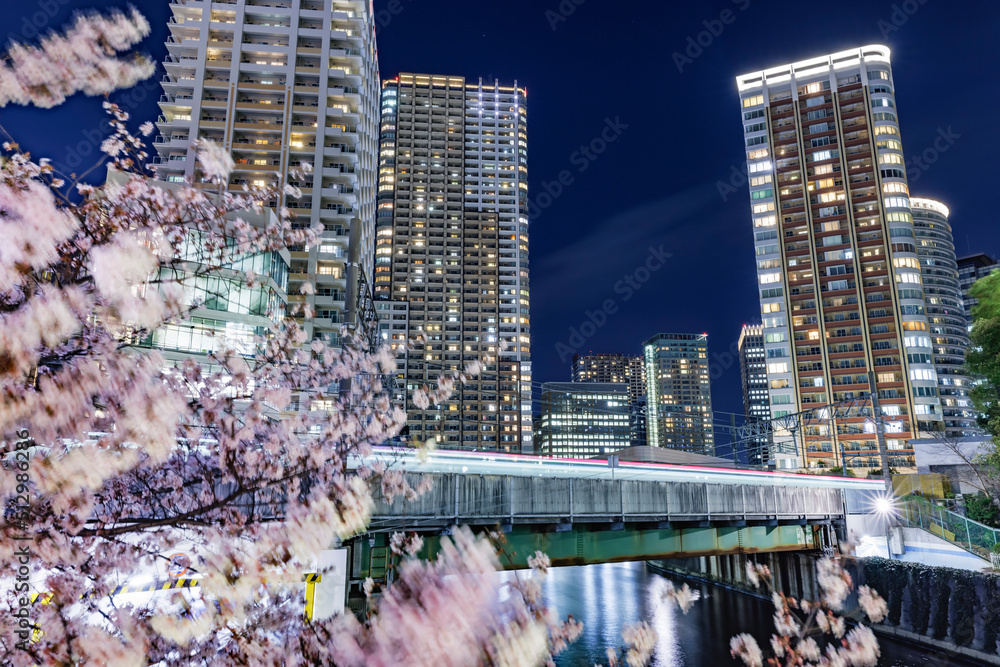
[664, 622]
[610, 596]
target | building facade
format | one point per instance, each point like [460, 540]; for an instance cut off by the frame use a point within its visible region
[618, 368]
[838, 273]
[226, 312]
[971, 269]
[583, 419]
[945, 314]
[952, 458]
[452, 252]
[756, 401]
[278, 85]
[679, 399]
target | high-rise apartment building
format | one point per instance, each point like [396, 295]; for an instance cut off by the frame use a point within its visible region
[837, 266]
[615, 368]
[583, 419]
[452, 252]
[756, 401]
[279, 84]
[945, 314]
[971, 269]
[679, 399]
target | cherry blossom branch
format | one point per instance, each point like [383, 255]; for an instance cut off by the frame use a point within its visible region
[82, 59]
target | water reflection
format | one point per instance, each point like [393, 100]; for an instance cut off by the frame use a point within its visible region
[610, 596]
[667, 646]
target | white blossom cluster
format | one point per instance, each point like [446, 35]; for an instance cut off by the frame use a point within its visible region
[798, 623]
[82, 59]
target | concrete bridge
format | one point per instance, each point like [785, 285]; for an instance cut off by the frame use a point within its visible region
[583, 511]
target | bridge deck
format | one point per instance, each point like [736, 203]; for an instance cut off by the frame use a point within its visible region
[472, 488]
[582, 511]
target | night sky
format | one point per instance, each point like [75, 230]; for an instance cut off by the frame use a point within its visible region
[610, 67]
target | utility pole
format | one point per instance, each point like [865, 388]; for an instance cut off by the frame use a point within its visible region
[880, 433]
[732, 438]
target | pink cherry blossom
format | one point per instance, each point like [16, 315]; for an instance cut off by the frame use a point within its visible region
[216, 163]
[82, 59]
[872, 604]
[745, 647]
[798, 623]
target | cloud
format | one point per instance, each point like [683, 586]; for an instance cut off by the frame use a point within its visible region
[621, 242]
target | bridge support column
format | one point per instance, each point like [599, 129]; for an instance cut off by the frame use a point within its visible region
[328, 596]
[794, 574]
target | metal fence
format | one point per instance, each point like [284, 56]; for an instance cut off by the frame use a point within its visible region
[955, 528]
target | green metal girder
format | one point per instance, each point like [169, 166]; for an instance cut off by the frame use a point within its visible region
[580, 546]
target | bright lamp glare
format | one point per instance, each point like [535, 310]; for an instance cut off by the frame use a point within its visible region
[884, 505]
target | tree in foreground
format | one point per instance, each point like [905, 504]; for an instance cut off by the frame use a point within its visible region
[983, 363]
[114, 458]
[814, 632]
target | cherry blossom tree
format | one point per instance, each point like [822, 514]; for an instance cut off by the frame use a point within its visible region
[128, 456]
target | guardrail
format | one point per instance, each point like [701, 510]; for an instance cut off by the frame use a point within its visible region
[961, 531]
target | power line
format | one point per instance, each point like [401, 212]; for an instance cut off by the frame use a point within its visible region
[539, 385]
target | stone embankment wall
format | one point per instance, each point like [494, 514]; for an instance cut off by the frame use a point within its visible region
[949, 609]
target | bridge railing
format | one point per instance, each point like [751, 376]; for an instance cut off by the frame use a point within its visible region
[951, 526]
[458, 498]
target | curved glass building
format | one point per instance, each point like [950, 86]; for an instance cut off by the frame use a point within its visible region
[945, 313]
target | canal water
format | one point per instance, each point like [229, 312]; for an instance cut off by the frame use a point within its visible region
[608, 597]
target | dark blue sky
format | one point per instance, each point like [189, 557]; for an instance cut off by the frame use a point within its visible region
[678, 134]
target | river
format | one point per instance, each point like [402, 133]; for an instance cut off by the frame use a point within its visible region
[608, 597]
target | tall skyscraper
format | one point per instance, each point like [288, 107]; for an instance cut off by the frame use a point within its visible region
[756, 404]
[583, 419]
[679, 399]
[945, 314]
[837, 267]
[971, 269]
[625, 368]
[452, 251]
[277, 85]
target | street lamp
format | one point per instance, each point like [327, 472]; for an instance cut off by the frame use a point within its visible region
[885, 505]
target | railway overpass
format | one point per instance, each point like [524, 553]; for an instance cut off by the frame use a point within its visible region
[583, 511]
